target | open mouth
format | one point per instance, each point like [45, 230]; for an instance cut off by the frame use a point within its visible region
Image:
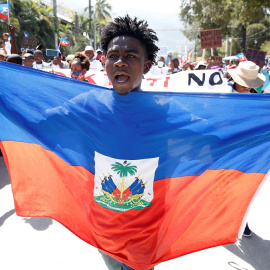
[121, 78]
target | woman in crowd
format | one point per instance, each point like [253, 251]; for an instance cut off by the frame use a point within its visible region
[79, 66]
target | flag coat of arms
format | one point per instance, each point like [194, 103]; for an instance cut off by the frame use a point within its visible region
[145, 177]
[4, 10]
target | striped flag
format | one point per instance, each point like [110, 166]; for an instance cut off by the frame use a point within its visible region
[145, 177]
[64, 42]
[4, 10]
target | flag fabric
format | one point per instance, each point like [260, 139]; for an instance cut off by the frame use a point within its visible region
[145, 177]
[4, 10]
[26, 34]
[241, 57]
[64, 42]
[190, 54]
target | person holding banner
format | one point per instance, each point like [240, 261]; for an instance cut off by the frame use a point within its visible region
[245, 78]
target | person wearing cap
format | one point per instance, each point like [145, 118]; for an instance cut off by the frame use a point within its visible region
[94, 64]
[70, 57]
[28, 60]
[245, 78]
[99, 54]
[200, 65]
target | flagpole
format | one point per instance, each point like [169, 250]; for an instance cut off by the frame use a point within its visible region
[8, 14]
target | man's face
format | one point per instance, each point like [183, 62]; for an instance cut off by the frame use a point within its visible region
[28, 61]
[126, 63]
[201, 67]
[56, 60]
[38, 57]
[89, 54]
[241, 89]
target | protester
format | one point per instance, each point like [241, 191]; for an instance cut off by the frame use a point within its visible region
[15, 59]
[130, 51]
[245, 78]
[263, 88]
[28, 60]
[99, 54]
[201, 65]
[174, 66]
[39, 60]
[79, 65]
[90, 53]
[69, 58]
[58, 63]
[7, 43]
[9, 47]
[160, 68]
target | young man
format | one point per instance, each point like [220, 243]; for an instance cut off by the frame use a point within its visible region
[28, 60]
[129, 46]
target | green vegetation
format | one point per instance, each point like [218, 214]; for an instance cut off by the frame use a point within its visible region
[37, 19]
[246, 22]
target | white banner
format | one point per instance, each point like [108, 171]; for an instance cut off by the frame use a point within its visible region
[206, 81]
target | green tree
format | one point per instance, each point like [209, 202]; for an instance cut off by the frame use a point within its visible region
[123, 170]
[233, 17]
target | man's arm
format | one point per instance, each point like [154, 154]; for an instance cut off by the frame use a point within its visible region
[13, 40]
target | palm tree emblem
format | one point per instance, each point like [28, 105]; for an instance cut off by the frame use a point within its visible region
[123, 170]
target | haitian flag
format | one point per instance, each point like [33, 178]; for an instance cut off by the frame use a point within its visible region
[64, 42]
[145, 177]
[4, 10]
[241, 57]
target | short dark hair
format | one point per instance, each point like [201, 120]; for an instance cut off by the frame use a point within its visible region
[82, 59]
[15, 59]
[125, 26]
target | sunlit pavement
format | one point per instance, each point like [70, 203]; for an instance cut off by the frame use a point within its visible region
[44, 244]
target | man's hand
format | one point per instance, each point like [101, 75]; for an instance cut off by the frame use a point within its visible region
[11, 29]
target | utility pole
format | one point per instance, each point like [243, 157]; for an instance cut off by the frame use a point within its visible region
[90, 22]
[55, 23]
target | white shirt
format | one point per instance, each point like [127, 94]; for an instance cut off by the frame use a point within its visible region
[156, 71]
[95, 65]
[8, 47]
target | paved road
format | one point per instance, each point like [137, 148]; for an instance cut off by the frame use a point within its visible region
[44, 244]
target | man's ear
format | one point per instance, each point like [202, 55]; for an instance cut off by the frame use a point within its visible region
[147, 66]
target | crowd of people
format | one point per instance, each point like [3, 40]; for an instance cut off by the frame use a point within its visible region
[236, 74]
[245, 77]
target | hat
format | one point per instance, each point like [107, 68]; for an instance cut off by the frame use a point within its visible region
[89, 48]
[70, 57]
[201, 63]
[246, 74]
[27, 55]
